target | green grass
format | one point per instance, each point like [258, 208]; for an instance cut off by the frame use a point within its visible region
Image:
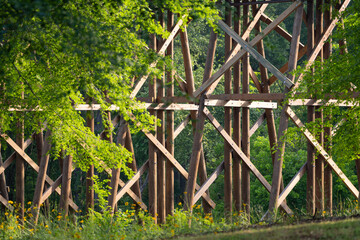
[341, 229]
[129, 223]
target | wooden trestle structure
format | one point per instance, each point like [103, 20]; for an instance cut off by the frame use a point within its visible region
[236, 132]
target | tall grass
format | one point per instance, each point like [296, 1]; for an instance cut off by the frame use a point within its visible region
[131, 223]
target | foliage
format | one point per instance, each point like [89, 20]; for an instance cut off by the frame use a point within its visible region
[338, 77]
[58, 54]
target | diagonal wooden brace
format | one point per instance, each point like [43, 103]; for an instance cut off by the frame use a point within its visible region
[238, 151]
[26, 157]
[322, 152]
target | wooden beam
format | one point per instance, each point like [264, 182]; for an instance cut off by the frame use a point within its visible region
[40, 181]
[161, 51]
[323, 153]
[288, 83]
[241, 154]
[227, 123]
[66, 185]
[208, 182]
[245, 122]
[237, 117]
[170, 125]
[236, 55]
[175, 163]
[279, 154]
[20, 169]
[89, 199]
[238, 103]
[310, 177]
[26, 157]
[279, 29]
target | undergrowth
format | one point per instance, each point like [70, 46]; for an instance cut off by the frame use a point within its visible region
[132, 223]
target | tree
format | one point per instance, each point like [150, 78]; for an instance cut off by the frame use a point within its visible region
[57, 54]
[339, 77]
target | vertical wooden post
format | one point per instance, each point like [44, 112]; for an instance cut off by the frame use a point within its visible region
[190, 89]
[265, 88]
[20, 171]
[195, 158]
[170, 125]
[90, 173]
[129, 146]
[115, 172]
[40, 181]
[310, 177]
[66, 185]
[207, 73]
[279, 155]
[328, 181]
[236, 120]
[161, 137]
[227, 126]
[245, 123]
[152, 186]
[319, 161]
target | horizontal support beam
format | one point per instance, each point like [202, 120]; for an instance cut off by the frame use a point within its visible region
[238, 103]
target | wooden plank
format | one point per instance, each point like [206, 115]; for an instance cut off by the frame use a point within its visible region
[295, 180]
[310, 177]
[40, 181]
[20, 169]
[245, 123]
[175, 163]
[236, 55]
[241, 154]
[170, 125]
[181, 126]
[161, 51]
[279, 29]
[132, 181]
[254, 78]
[291, 184]
[249, 96]
[285, 67]
[257, 124]
[152, 185]
[66, 185]
[238, 103]
[328, 179]
[129, 185]
[89, 197]
[208, 182]
[323, 153]
[279, 154]
[160, 134]
[207, 73]
[11, 159]
[237, 117]
[256, 55]
[315, 102]
[115, 172]
[33, 164]
[50, 189]
[227, 123]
